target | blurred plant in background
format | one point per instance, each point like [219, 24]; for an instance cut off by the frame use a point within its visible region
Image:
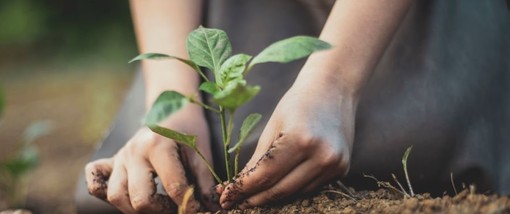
[14, 169]
[65, 61]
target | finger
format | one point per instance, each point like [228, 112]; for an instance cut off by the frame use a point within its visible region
[271, 133]
[167, 163]
[96, 175]
[335, 174]
[278, 161]
[319, 182]
[142, 189]
[117, 194]
[293, 182]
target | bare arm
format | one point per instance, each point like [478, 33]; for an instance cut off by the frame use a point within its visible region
[162, 27]
[359, 31]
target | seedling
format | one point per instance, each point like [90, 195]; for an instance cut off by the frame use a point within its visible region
[211, 49]
[391, 187]
[404, 164]
[14, 170]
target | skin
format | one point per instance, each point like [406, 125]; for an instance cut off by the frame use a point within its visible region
[130, 172]
[301, 148]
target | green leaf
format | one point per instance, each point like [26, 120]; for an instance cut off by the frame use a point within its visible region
[290, 49]
[159, 56]
[406, 155]
[188, 140]
[232, 69]
[235, 94]
[249, 124]
[208, 47]
[209, 87]
[165, 105]
[26, 160]
[36, 130]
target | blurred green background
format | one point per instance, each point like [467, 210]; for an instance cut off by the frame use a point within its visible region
[66, 62]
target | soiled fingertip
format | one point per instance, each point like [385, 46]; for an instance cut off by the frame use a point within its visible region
[226, 205]
[219, 188]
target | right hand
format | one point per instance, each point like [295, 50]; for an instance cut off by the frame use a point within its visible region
[126, 180]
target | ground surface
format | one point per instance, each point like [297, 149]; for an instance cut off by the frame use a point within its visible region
[385, 201]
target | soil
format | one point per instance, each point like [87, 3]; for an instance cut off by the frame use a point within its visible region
[333, 200]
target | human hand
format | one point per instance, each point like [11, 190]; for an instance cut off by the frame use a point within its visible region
[130, 173]
[306, 143]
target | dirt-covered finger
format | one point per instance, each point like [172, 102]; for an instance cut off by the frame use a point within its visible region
[273, 165]
[117, 194]
[168, 166]
[288, 185]
[142, 189]
[96, 175]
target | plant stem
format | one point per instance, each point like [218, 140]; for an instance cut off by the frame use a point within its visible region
[225, 145]
[199, 71]
[236, 162]
[209, 166]
[203, 105]
[230, 127]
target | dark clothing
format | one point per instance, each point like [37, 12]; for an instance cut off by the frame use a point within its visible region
[441, 86]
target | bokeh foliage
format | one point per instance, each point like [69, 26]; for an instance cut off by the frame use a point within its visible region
[63, 29]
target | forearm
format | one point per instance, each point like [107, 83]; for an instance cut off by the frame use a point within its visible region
[162, 27]
[359, 31]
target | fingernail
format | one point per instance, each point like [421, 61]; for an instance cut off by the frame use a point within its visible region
[219, 188]
[226, 205]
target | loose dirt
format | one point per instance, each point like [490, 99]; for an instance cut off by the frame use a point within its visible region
[333, 200]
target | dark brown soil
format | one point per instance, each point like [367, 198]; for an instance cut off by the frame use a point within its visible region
[331, 200]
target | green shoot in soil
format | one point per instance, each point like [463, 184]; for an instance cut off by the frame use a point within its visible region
[211, 49]
[387, 185]
[13, 170]
[404, 164]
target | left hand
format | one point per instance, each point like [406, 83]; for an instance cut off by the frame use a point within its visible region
[306, 143]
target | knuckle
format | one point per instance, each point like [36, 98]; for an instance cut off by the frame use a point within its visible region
[304, 141]
[329, 158]
[141, 203]
[115, 199]
[90, 167]
[176, 190]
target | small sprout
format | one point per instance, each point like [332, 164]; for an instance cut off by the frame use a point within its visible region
[391, 187]
[400, 185]
[404, 163]
[211, 48]
[453, 183]
[384, 184]
[14, 169]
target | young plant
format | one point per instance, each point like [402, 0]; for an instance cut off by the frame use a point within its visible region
[14, 169]
[211, 49]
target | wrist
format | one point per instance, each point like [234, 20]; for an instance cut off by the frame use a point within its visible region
[168, 75]
[329, 80]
